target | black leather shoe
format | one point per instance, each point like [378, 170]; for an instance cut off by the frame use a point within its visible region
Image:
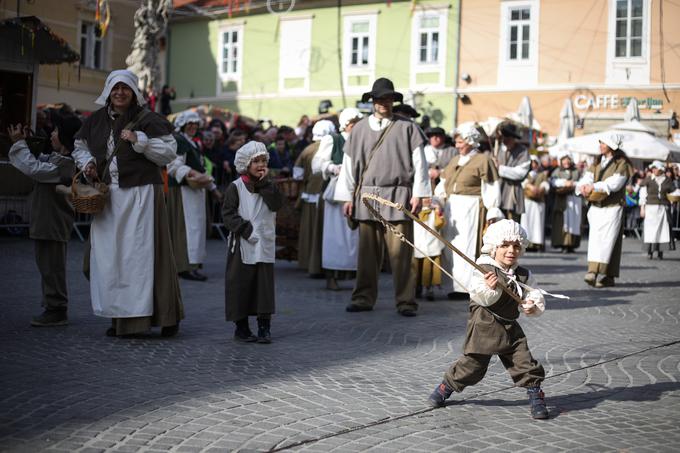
[354, 308]
[408, 313]
[264, 336]
[244, 336]
[50, 318]
[192, 275]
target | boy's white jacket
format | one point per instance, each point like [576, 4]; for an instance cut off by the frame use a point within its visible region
[485, 296]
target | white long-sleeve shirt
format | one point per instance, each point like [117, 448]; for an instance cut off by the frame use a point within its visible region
[421, 181]
[611, 184]
[481, 294]
[38, 169]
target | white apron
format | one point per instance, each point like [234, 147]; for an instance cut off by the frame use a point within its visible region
[656, 225]
[605, 225]
[571, 222]
[340, 247]
[122, 254]
[193, 202]
[251, 207]
[533, 221]
[425, 241]
[462, 222]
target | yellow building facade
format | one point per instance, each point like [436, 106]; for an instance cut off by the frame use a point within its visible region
[74, 20]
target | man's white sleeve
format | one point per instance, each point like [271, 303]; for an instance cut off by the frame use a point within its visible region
[517, 173]
[20, 156]
[421, 179]
[344, 190]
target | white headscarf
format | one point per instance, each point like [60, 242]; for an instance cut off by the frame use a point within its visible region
[120, 75]
[505, 230]
[321, 129]
[469, 133]
[347, 115]
[612, 140]
[658, 164]
[564, 154]
[186, 117]
[247, 153]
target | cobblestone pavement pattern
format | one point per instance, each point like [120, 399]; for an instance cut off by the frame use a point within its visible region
[337, 381]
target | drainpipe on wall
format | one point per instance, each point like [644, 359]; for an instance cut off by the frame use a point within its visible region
[456, 77]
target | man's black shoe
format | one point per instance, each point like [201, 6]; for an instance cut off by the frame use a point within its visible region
[193, 275]
[50, 318]
[354, 308]
[170, 331]
[408, 313]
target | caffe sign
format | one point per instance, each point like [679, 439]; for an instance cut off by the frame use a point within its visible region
[613, 102]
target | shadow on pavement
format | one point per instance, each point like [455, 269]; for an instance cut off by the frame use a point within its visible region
[584, 298]
[562, 404]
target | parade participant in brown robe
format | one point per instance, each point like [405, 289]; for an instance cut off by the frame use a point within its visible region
[655, 208]
[51, 213]
[608, 175]
[394, 169]
[566, 214]
[310, 241]
[130, 265]
[249, 213]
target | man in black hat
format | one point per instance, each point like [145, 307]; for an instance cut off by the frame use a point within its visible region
[384, 155]
[513, 166]
[439, 152]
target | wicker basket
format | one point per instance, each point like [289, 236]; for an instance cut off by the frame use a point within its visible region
[564, 190]
[88, 198]
[596, 197]
[673, 198]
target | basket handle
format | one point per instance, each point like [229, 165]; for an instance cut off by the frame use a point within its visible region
[75, 177]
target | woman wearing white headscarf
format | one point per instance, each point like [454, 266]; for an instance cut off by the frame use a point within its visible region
[607, 177]
[468, 186]
[133, 278]
[535, 187]
[311, 218]
[655, 209]
[340, 243]
[186, 204]
[249, 213]
[567, 207]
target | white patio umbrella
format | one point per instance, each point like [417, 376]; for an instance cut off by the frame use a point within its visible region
[632, 111]
[567, 121]
[634, 126]
[525, 112]
[636, 145]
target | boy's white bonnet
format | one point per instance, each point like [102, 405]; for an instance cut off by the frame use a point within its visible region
[505, 230]
[247, 153]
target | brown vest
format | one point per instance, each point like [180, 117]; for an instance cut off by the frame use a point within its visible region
[311, 183]
[51, 213]
[656, 194]
[506, 306]
[467, 179]
[134, 169]
[617, 165]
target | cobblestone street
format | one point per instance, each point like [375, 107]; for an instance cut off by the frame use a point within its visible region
[337, 381]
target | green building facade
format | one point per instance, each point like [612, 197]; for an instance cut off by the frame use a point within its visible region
[280, 65]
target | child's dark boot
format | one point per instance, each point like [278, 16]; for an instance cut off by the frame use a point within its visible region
[264, 335]
[440, 394]
[537, 400]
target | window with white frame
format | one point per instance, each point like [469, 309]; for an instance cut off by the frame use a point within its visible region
[359, 49]
[428, 48]
[295, 41]
[428, 39]
[91, 46]
[628, 43]
[230, 52]
[629, 26]
[518, 47]
[360, 39]
[519, 33]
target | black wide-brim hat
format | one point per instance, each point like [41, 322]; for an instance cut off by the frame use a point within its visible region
[510, 130]
[382, 88]
[406, 110]
[430, 131]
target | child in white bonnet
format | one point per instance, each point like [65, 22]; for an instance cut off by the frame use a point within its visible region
[492, 327]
